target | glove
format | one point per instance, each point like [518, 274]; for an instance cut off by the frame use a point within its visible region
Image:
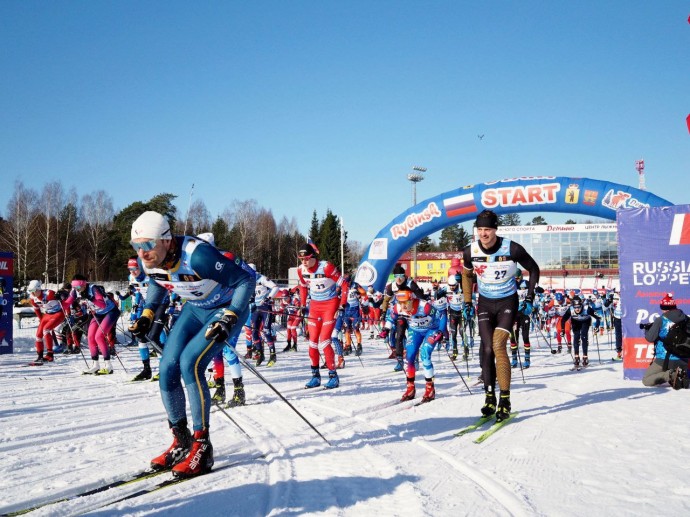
[340, 311]
[562, 334]
[303, 312]
[142, 326]
[220, 330]
[528, 308]
[384, 333]
[435, 337]
[467, 311]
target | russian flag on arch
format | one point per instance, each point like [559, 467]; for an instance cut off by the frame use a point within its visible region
[680, 232]
[460, 205]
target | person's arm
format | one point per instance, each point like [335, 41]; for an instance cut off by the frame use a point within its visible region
[652, 333]
[525, 260]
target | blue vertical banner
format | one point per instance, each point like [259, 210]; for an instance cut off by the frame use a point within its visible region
[654, 256]
[6, 288]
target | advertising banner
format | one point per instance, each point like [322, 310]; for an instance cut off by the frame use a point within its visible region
[6, 272]
[654, 256]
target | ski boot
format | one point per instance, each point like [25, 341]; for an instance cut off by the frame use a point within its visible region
[347, 350]
[393, 354]
[576, 362]
[76, 349]
[182, 440]
[560, 349]
[410, 392]
[219, 394]
[514, 362]
[399, 365]
[358, 350]
[585, 361]
[288, 347]
[341, 363]
[49, 357]
[429, 392]
[199, 459]
[271, 360]
[259, 358]
[315, 380]
[144, 374]
[250, 353]
[107, 368]
[489, 407]
[238, 399]
[333, 381]
[503, 410]
[677, 378]
[526, 364]
[94, 368]
[619, 354]
[570, 348]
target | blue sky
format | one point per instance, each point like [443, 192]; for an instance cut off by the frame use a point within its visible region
[314, 105]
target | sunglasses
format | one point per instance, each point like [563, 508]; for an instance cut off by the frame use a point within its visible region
[399, 275]
[144, 246]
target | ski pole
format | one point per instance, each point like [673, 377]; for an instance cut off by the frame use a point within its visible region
[105, 336]
[457, 370]
[596, 338]
[265, 381]
[233, 420]
[74, 335]
[517, 348]
[547, 341]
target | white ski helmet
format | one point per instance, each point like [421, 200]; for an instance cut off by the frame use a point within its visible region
[452, 280]
[35, 285]
[208, 237]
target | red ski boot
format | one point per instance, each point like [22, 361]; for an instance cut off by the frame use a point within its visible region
[182, 439]
[199, 459]
[410, 391]
[429, 392]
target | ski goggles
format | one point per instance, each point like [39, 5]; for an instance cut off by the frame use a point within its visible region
[144, 246]
[78, 284]
[399, 275]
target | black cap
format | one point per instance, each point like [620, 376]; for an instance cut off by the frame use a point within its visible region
[398, 270]
[307, 250]
[487, 219]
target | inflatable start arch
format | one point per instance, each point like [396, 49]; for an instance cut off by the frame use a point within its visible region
[530, 194]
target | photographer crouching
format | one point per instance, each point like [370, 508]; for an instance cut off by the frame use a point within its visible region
[671, 347]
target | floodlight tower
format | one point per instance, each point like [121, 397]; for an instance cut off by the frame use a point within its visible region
[415, 177]
[639, 166]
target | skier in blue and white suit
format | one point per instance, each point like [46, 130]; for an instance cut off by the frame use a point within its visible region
[218, 290]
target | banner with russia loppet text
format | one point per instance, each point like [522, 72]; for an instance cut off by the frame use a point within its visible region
[6, 289]
[654, 257]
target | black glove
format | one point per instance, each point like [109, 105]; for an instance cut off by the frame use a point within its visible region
[303, 312]
[220, 330]
[142, 326]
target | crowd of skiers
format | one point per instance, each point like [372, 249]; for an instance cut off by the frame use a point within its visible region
[191, 303]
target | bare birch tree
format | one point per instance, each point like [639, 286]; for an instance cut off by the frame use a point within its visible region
[198, 218]
[97, 216]
[21, 216]
[52, 199]
[241, 218]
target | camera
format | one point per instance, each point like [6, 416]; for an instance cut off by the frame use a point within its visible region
[645, 326]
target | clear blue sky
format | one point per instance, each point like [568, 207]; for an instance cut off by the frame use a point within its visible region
[308, 105]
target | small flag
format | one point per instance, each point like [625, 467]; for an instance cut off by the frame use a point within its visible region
[311, 242]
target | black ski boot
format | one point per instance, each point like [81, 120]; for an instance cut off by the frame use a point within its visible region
[288, 347]
[144, 374]
[503, 411]
[238, 398]
[219, 394]
[489, 407]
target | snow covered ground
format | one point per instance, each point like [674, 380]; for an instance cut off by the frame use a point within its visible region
[584, 443]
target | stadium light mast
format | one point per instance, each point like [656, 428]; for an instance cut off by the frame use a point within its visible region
[639, 167]
[415, 177]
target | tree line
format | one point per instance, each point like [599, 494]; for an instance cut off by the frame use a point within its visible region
[55, 233]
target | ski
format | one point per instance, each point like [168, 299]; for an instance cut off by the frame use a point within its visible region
[575, 368]
[476, 425]
[495, 427]
[175, 481]
[139, 476]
